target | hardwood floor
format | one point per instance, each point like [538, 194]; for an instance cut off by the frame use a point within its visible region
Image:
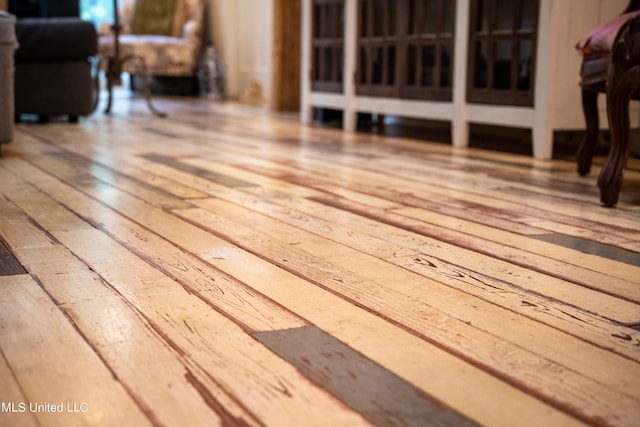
[227, 266]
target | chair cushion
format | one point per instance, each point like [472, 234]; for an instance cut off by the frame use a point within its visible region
[601, 38]
[594, 70]
[55, 39]
[163, 55]
[153, 17]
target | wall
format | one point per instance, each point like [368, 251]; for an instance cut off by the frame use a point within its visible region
[573, 19]
[243, 34]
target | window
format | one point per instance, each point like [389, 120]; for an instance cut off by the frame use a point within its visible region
[97, 11]
[502, 47]
[405, 48]
[328, 45]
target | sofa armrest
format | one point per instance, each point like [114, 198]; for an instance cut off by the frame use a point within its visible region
[51, 39]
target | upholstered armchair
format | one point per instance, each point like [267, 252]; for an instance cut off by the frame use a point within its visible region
[610, 65]
[165, 34]
[595, 49]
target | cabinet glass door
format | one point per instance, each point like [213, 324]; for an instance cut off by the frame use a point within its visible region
[405, 48]
[502, 46]
[327, 45]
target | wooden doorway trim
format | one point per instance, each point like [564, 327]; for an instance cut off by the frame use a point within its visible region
[285, 80]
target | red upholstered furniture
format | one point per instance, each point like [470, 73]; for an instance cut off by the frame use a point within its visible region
[611, 64]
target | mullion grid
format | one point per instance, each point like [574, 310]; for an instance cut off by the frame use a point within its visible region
[328, 41]
[419, 40]
[372, 47]
[401, 42]
[488, 93]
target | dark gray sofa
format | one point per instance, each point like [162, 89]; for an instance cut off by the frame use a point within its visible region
[53, 74]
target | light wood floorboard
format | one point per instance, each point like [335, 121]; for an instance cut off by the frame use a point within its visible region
[228, 266]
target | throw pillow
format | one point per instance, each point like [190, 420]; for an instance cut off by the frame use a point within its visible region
[180, 17]
[153, 17]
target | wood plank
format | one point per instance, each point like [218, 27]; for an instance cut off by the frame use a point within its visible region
[250, 372]
[225, 293]
[315, 242]
[617, 267]
[435, 179]
[9, 265]
[587, 246]
[55, 366]
[123, 339]
[345, 272]
[379, 395]
[465, 189]
[14, 403]
[96, 175]
[590, 225]
[536, 282]
[538, 261]
[446, 217]
[445, 376]
[469, 273]
[605, 281]
[296, 293]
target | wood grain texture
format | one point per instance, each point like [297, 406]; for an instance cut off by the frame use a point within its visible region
[55, 366]
[230, 267]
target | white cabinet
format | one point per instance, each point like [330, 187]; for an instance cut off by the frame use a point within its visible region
[553, 103]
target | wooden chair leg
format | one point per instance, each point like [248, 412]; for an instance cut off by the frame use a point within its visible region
[588, 145]
[623, 82]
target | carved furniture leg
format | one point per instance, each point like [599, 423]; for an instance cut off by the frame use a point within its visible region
[114, 66]
[113, 77]
[142, 66]
[591, 116]
[623, 83]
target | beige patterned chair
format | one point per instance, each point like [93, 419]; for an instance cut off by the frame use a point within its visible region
[170, 45]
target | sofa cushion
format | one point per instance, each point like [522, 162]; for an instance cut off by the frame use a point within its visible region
[59, 8]
[163, 55]
[44, 8]
[55, 38]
